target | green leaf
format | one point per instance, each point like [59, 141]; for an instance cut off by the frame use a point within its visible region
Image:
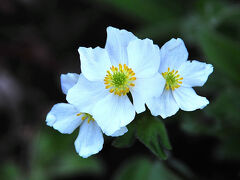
[151, 131]
[127, 139]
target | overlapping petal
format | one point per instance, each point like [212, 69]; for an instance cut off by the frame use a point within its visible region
[145, 89]
[195, 73]
[120, 132]
[113, 112]
[188, 100]
[68, 81]
[143, 57]
[94, 63]
[89, 140]
[85, 94]
[165, 105]
[63, 117]
[116, 45]
[173, 53]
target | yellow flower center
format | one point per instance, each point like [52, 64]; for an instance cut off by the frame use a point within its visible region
[86, 116]
[119, 80]
[173, 79]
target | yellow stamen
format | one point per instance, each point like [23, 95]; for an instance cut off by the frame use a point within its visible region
[120, 79]
[86, 116]
[111, 90]
[79, 114]
[108, 86]
[173, 79]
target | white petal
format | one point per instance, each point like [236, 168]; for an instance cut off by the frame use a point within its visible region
[173, 53]
[113, 112]
[165, 105]
[68, 81]
[94, 63]
[188, 100]
[63, 117]
[145, 89]
[143, 57]
[116, 45]
[89, 140]
[86, 93]
[120, 132]
[50, 119]
[138, 101]
[195, 73]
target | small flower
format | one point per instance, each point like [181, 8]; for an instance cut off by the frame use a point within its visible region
[180, 75]
[127, 64]
[66, 118]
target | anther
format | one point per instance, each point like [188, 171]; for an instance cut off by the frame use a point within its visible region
[173, 79]
[119, 79]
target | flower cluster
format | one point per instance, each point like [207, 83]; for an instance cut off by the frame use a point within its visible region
[99, 99]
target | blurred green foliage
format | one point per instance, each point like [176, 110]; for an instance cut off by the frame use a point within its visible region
[10, 171]
[53, 156]
[142, 168]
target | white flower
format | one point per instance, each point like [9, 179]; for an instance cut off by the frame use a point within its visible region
[66, 118]
[180, 75]
[127, 64]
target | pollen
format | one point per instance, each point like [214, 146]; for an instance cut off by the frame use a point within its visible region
[119, 79]
[86, 116]
[173, 79]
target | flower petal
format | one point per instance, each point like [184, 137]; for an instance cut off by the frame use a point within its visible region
[68, 81]
[63, 117]
[138, 101]
[50, 119]
[94, 63]
[165, 105]
[195, 73]
[120, 132]
[146, 88]
[143, 57]
[188, 100]
[116, 45]
[89, 140]
[85, 94]
[113, 112]
[173, 53]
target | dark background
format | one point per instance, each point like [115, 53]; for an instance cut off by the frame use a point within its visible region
[39, 41]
